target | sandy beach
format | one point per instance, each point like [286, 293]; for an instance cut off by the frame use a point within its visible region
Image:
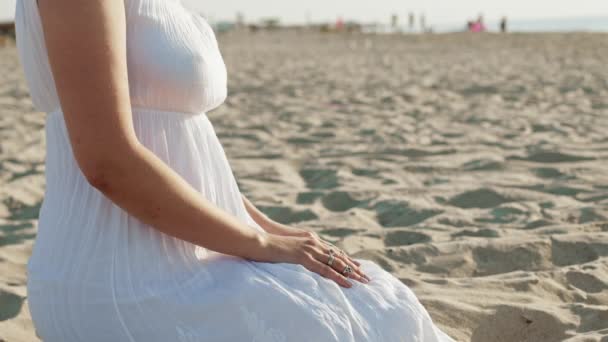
[472, 167]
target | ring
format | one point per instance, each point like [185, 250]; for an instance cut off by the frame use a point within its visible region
[347, 270]
[330, 262]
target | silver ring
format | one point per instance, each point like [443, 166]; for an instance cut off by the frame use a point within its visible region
[347, 270]
[330, 262]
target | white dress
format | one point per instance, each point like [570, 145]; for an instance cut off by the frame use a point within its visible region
[99, 274]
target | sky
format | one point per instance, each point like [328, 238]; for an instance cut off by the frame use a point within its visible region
[437, 12]
[7, 10]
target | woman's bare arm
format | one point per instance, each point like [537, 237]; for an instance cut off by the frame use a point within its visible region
[86, 43]
[274, 227]
[269, 225]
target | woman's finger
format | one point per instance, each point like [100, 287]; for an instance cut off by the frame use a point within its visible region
[354, 261]
[326, 246]
[357, 265]
[356, 274]
[326, 271]
[338, 263]
[343, 252]
[356, 268]
[349, 258]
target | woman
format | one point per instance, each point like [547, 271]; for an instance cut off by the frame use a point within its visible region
[143, 233]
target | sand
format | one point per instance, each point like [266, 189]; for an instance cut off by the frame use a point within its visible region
[472, 167]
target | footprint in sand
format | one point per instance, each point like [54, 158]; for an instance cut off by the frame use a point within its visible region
[287, 215]
[341, 201]
[15, 234]
[482, 165]
[480, 198]
[591, 318]
[10, 305]
[503, 258]
[586, 282]
[485, 233]
[573, 249]
[308, 197]
[22, 211]
[341, 232]
[551, 157]
[405, 238]
[400, 214]
[511, 323]
[320, 178]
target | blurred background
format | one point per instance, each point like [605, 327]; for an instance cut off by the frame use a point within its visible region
[461, 145]
[435, 15]
[403, 16]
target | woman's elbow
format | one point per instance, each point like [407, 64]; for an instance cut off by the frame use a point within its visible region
[107, 166]
[104, 174]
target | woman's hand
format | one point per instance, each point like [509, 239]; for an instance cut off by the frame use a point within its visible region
[313, 253]
[280, 229]
[300, 246]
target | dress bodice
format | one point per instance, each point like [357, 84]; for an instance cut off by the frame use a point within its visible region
[173, 59]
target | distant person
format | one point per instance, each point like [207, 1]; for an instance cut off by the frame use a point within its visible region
[253, 28]
[469, 26]
[478, 25]
[422, 23]
[339, 24]
[394, 22]
[240, 20]
[503, 24]
[411, 21]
